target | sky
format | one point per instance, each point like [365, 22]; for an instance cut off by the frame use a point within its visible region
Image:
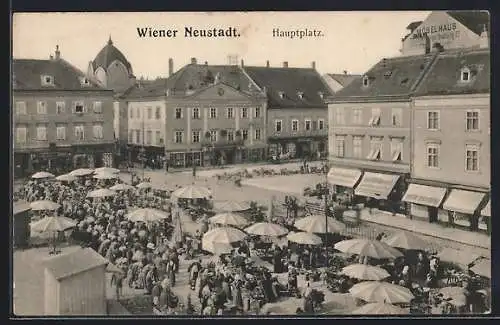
[350, 41]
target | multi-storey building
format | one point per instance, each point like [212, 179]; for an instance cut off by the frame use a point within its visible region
[369, 134]
[451, 141]
[296, 109]
[61, 117]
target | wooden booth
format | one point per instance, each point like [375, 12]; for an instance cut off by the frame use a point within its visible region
[21, 224]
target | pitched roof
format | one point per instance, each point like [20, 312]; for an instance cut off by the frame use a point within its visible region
[290, 82]
[445, 75]
[66, 265]
[27, 75]
[343, 79]
[20, 206]
[148, 89]
[396, 76]
[107, 55]
[475, 20]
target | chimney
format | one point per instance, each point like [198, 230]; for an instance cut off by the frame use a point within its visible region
[193, 61]
[313, 65]
[170, 67]
[58, 53]
[242, 63]
[51, 57]
[206, 62]
[267, 64]
[285, 64]
[345, 72]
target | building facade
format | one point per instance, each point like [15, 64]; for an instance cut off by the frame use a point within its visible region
[370, 132]
[451, 142]
[62, 119]
[297, 124]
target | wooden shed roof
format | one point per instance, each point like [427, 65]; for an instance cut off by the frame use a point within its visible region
[66, 265]
[20, 206]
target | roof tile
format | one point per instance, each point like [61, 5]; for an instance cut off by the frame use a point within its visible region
[66, 265]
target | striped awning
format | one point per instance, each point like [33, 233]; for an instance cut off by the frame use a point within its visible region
[463, 201]
[376, 185]
[424, 195]
[343, 176]
[486, 211]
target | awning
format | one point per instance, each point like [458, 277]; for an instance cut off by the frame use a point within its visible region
[463, 201]
[343, 176]
[462, 258]
[425, 195]
[376, 185]
[487, 210]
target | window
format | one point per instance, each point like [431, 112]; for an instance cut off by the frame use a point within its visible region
[78, 107]
[300, 95]
[230, 135]
[397, 116]
[196, 113]
[158, 138]
[257, 112]
[158, 112]
[131, 112]
[472, 158]
[472, 121]
[41, 133]
[375, 119]
[339, 116]
[195, 136]
[60, 107]
[375, 148]
[20, 108]
[213, 135]
[465, 75]
[321, 124]
[213, 112]
[357, 146]
[150, 113]
[229, 112]
[98, 107]
[179, 135]
[295, 125]
[277, 126]
[397, 149]
[366, 81]
[84, 81]
[433, 155]
[281, 94]
[97, 131]
[60, 132]
[41, 107]
[257, 134]
[357, 116]
[21, 134]
[138, 136]
[244, 134]
[433, 120]
[178, 113]
[47, 80]
[307, 125]
[149, 137]
[79, 132]
[138, 113]
[244, 112]
[131, 136]
[339, 146]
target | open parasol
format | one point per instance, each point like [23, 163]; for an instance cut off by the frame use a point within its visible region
[375, 291]
[220, 240]
[144, 185]
[107, 170]
[66, 178]
[266, 229]
[304, 238]
[231, 206]
[82, 172]
[229, 219]
[104, 175]
[146, 215]
[100, 193]
[406, 240]
[44, 205]
[42, 175]
[192, 192]
[365, 272]
[121, 187]
[370, 248]
[52, 224]
[319, 224]
[482, 267]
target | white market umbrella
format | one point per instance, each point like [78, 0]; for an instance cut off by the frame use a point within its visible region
[304, 238]
[220, 240]
[376, 291]
[82, 172]
[229, 219]
[107, 170]
[121, 187]
[482, 268]
[380, 308]
[192, 192]
[231, 206]
[406, 240]
[44, 205]
[100, 193]
[144, 185]
[146, 215]
[370, 248]
[42, 175]
[52, 224]
[319, 224]
[103, 175]
[365, 272]
[267, 229]
[66, 178]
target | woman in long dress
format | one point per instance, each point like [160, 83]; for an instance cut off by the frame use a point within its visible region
[237, 295]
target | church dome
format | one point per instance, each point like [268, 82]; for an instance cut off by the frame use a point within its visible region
[108, 55]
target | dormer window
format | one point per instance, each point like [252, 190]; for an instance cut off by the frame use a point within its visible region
[84, 81]
[300, 94]
[465, 75]
[47, 80]
[366, 81]
[320, 94]
[281, 94]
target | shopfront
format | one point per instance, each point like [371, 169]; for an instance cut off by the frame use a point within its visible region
[485, 219]
[424, 201]
[462, 207]
[343, 181]
[380, 191]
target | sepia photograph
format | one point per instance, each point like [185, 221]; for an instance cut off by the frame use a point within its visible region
[250, 164]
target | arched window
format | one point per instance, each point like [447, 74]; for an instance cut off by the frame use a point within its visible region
[465, 75]
[366, 81]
